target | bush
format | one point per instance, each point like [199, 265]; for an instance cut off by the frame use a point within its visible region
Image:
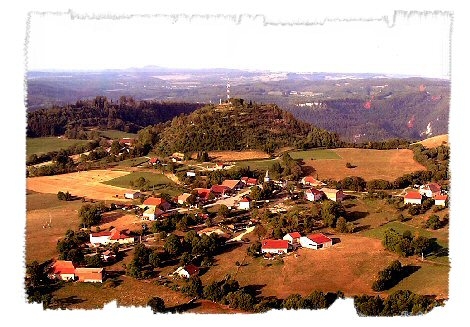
[433, 222]
[388, 277]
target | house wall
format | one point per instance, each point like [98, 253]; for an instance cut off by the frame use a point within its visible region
[99, 239]
[274, 251]
[440, 202]
[305, 242]
[313, 197]
[67, 276]
[412, 201]
[244, 205]
[288, 238]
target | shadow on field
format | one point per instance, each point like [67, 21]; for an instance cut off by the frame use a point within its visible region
[361, 228]
[65, 302]
[183, 307]
[254, 289]
[306, 170]
[409, 270]
[355, 215]
[335, 240]
[111, 216]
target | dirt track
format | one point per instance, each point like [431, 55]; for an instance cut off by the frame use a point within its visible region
[85, 183]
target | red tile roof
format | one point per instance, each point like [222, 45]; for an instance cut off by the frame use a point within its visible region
[154, 201]
[314, 191]
[191, 269]
[319, 238]
[231, 183]
[295, 235]
[220, 189]
[89, 273]
[117, 235]
[275, 244]
[153, 160]
[434, 187]
[440, 197]
[252, 181]
[63, 267]
[413, 195]
[103, 233]
[245, 199]
[244, 179]
[203, 192]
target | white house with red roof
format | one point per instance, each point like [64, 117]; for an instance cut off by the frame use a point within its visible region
[249, 181]
[316, 241]
[132, 195]
[233, 184]
[220, 190]
[430, 190]
[156, 202]
[313, 194]
[244, 203]
[152, 213]
[203, 194]
[274, 246]
[62, 269]
[112, 236]
[440, 200]
[292, 238]
[187, 271]
[413, 197]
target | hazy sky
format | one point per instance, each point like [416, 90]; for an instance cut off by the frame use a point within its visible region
[416, 45]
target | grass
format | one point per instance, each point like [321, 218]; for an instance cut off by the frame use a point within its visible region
[154, 179]
[317, 154]
[132, 162]
[257, 164]
[114, 134]
[39, 145]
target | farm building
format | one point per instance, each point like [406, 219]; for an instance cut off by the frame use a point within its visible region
[440, 200]
[127, 141]
[333, 194]
[311, 181]
[190, 174]
[249, 181]
[203, 194]
[183, 198]
[292, 238]
[91, 275]
[152, 213]
[220, 190]
[154, 161]
[313, 194]
[157, 202]
[64, 270]
[112, 236]
[132, 195]
[233, 184]
[413, 197]
[244, 203]
[187, 271]
[430, 190]
[274, 246]
[315, 241]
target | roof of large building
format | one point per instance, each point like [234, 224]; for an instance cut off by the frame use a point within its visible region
[433, 187]
[319, 238]
[220, 188]
[275, 244]
[231, 183]
[295, 235]
[63, 267]
[440, 197]
[413, 195]
[314, 191]
[154, 201]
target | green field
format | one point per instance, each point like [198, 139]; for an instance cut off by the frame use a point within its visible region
[153, 178]
[132, 162]
[114, 134]
[257, 164]
[39, 145]
[316, 154]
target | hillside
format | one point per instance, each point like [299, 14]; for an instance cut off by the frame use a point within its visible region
[241, 126]
[435, 141]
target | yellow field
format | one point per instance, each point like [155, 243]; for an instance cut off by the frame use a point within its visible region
[84, 183]
[370, 164]
[237, 155]
[435, 141]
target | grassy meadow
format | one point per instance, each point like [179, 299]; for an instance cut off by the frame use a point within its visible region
[39, 145]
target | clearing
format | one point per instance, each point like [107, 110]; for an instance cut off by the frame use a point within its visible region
[39, 145]
[236, 155]
[315, 154]
[115, 134]
[435, 141]
[370, 164]
[85, 183]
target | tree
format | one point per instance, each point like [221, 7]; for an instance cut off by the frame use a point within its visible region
[316, 300]
[155, 259]
[90, 215]
[341, 225]
[367, 305]
[94, 261]
[433, 222]
[255, 193]
[172, 245]
[293, 302]
[156, 304]
[223, 211]
[185, 259]
[141, 255]
[193, 287]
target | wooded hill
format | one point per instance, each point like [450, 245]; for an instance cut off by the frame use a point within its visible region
[239, 126]
[125, 114]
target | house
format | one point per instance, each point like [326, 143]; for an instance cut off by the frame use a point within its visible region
[91, 275]
[183, 198]
[64, 270]
[127, 141]
[157, 202]
[333, 194]
[108, 256]
[220, 190]
[316, 241]
[413, 197]
[132, 195]
[154, 161]
[187, 271]
[440, 200]
[430, 190]
[233, 184]
[292, 238]
[244, 203]
[112, 236]
[274, 246]
[190, 174]
[311, 181]
[152, 213]
[249, 181]
[203, 194]
[313, 194]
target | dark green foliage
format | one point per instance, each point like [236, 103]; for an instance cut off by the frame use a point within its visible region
[64, 196]
[193, 287]
[316, 300]
[94, 261]
[388, 277]
[330, 212]
[293, 302]
[254, 249]
[141, 255]
[352, 183]
[378, 184]
[90, 214]
[173, 245]
[240, 300]
[367, 305]
[156, 304]
[223, 211]
[70, 248]
[405, 244]
[155, 259]
[433, 222]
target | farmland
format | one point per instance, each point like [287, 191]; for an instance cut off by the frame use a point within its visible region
[115, 134]
[257, 164]
[237, 155]
[316, 154]
[41, 145]
[370, 164]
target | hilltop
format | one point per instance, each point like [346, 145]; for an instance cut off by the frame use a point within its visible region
[237, 126]
[435, 141]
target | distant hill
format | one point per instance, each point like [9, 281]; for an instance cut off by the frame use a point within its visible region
[435, 141]
[239, 126]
